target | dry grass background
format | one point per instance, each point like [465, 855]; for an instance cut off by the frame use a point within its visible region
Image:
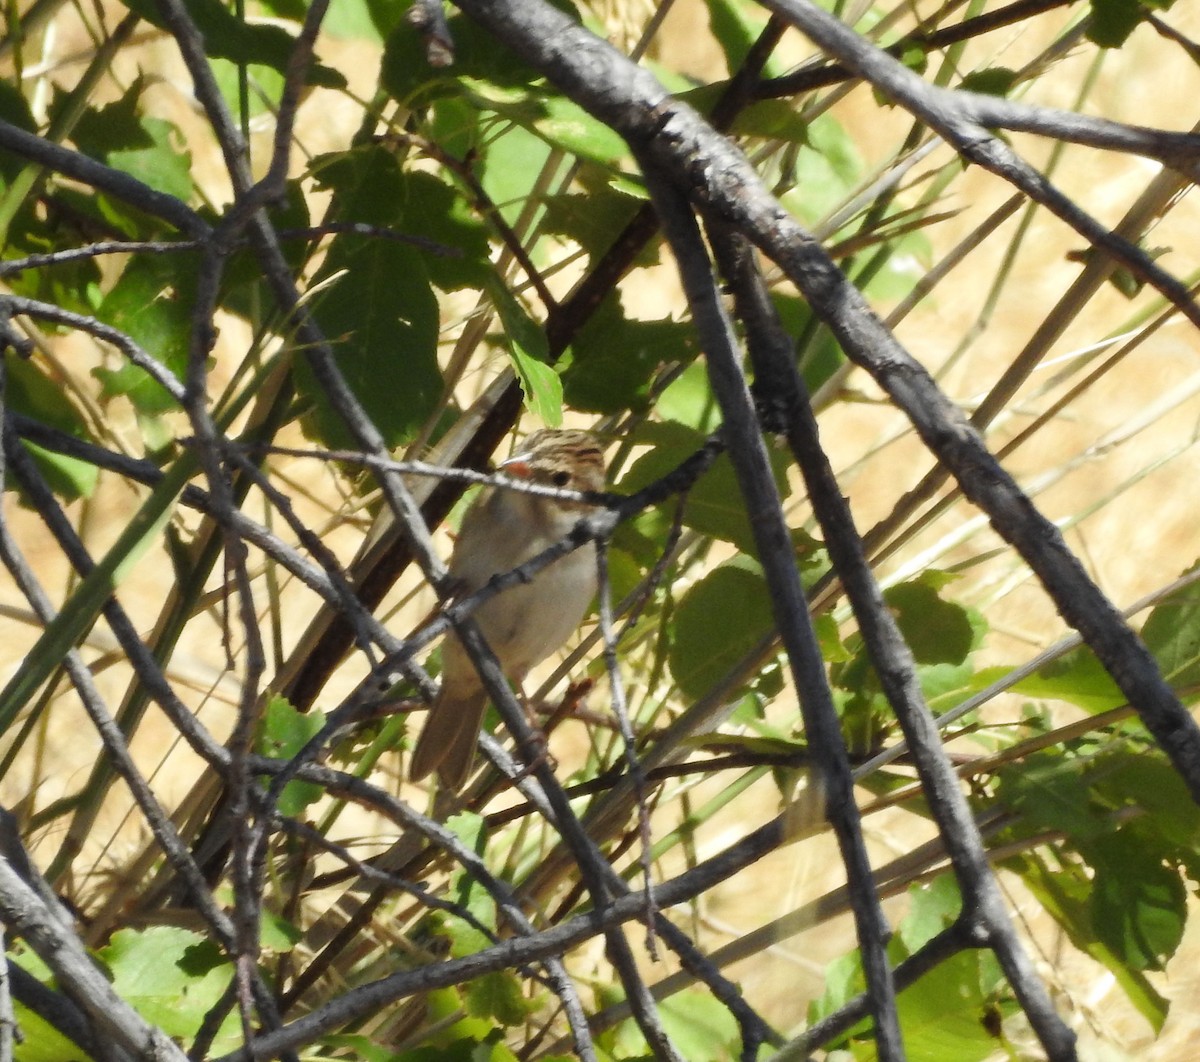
[1141, 508]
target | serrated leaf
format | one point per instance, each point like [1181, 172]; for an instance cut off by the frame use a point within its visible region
[1138, 905]
[593, 219]
[717, 622]
[614, 358]
[152, 304]
[434, 211]
[164, 163]
[150, 970]
[1065, 894]
[499, 996]
[1050, 790]
[285, 731]
[937, 631]
[714, 505]
[381, 317]
[527, 348]
[371, 186]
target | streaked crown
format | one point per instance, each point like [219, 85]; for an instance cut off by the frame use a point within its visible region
[560, 457]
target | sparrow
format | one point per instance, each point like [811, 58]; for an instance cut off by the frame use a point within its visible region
[525, 623]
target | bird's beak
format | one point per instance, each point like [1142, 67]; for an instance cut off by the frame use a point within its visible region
[518, 465]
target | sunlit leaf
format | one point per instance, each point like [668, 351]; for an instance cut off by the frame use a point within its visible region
[717, 622]
[285, 731]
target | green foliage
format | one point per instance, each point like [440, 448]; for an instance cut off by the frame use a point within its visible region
[940, 634]
[717, 622]
[937, 631]
[148, 148]
[1132, 834]
[284, 733]
[526, 343]
[1113, 21]
[240, 41]
[714, 505]
[173, 977]
[380, 312]
[955, 1011]
[31, 392]
[151, 303]
[615, 359]
[404, 201]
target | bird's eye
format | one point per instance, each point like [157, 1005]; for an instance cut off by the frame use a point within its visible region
[561, 478]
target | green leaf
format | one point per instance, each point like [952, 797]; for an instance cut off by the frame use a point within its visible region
[371, 186]
[937, 631]
[285, 731]
[228, 37]
[148, 148]
[381, 316]
[540, 385]
[500, 996]
[1065, 895]
[30, 391]
[717, 622]
[409, 79]
[993, 81]
[1172, 634]
[714, 505]
[1078, 678]
[1135, 777]
[1139, 906]
[1051, 790]
[700, 1026]
[689, 400]
[821, 355]
[14, 109]
[1112, 21]
[509, 168]
[736, 26]
[562, 123]
[151, 303]
[154, 972]
[432, 210]
[592, 219]
[934, 906]
[277, 934]
[776, 120]
[949, 1012]
[614, 358]
[825, 171]
[526, 343]
[458, 1041]
[844, 979]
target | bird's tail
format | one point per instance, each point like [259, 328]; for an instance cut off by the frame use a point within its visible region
[447, 744]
